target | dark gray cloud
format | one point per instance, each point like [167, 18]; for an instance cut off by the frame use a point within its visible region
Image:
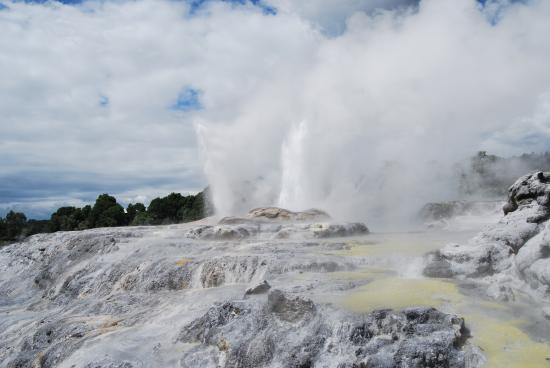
[38, 193]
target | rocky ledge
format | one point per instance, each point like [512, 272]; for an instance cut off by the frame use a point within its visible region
[281, 214]
[439, 211]
[511, 253]
[277, 223]
[279, 330]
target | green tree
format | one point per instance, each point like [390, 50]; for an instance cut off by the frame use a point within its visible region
[132, 210]
[106, 212]
[3, 230]
[177, 208]
[84, 220]
[65, 219]
[37, 227]
[165, 210]
[142, 218]
[15, 223]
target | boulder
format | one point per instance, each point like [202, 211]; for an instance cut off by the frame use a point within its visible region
[260, 288]
[289, 309]
[517, 246]
[531, 190]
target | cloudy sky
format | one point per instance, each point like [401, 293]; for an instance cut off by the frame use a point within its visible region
[140, 98]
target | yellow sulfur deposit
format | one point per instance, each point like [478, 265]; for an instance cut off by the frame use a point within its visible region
[182, 262]
[505, 345]
[397, 293]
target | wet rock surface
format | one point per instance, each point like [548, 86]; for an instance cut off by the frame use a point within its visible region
[153, 297]
[510, 254]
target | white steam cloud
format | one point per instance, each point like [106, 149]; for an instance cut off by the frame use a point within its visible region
[328, 103]
[365, 124]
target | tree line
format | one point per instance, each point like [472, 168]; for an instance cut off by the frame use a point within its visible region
[107, 212]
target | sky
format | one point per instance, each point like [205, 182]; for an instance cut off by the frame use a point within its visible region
[283, 100]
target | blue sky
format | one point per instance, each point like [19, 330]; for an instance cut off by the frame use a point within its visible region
[112, 96]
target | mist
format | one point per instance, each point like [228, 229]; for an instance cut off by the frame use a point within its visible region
[368, 124]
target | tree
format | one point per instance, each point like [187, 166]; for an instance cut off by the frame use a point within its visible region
[64, 219]
[70, 218]
[177, 208]
[85, 218]
[106, 212]
[15, 223]
[112, 216]
[142, 218]
[37, 227]
[132, 210]
[165, 210]
[3, 230]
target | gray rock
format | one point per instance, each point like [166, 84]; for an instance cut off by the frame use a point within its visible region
[52, 342]
[222, 232]
[231, 229]
[446, 210]
[438, 266]
[530, 188]
[289, 309]
[281, 214]
[260, 288]
[338, 230]
[517, 246]
[294, 332]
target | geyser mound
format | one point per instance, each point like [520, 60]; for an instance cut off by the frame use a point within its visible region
[278, 223]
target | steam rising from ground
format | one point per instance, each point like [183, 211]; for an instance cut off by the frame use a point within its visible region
[369, 123]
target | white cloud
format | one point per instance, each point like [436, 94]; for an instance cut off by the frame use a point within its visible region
[90, 89]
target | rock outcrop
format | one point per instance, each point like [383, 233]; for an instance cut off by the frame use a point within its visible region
[515, 248]
[281, 214]
[438, 211]
[294, 332]
[277, 223]
[260, 288]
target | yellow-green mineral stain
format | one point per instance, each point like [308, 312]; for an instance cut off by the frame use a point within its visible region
[503, 342]
[182, 262]
[364, 274]
[398, 293]
[505, 345]
[409, 244]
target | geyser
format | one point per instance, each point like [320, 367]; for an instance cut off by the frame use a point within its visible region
[370, 124]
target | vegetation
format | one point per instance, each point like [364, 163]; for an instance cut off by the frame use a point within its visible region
[107, 212]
